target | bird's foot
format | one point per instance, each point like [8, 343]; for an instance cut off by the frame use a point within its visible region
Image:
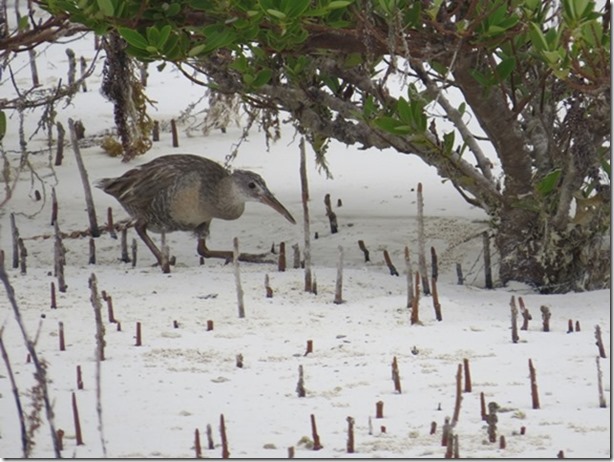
[165, 264]
[266, 257]
[229, 256]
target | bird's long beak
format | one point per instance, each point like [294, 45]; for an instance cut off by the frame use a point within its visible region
[272, 202]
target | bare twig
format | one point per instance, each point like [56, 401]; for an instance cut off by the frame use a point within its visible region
[467, 375]
[445, 431]
[53, 298]
[100, 344]
[379, 410]
[309, 348]
[599, 342]
[350, 441]
[305, 201]
[267, 287]
[15, 236]
[410, 279]
[110, 226]
[33, 68]
[174, 135]
[332, 217]
[197, 447]
[97, 305]
[514, 311]
[455, 446]
[59, 155]
[72, 66]
[339, 284]
[26, 443]
[59, 258]
[391, 267]
[23, 253]
[396, 378]
[134, 248]
[77, 421]
[314, 433]
[281, 261]
[61, 336]
[60, 436]
[225, 451]
[487, 264]
[54, 206]
[534, 394]
[602, 402]
[421, 243]
[139, 338]
[296, 256]
[361, 246]
[110, 310]
[235, 261]
[434, 264]
[491, 420]
[526, 316]
[459, 395]
[415, 317]
[459, 274]
[79, 378]
[210, 443]
[92, 247]
[436, 304]
[300, 386]
[449, 454]
[89, 200]
[545, 317]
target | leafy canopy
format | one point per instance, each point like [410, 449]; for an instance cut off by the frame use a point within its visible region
[534, 75]
[278, 39]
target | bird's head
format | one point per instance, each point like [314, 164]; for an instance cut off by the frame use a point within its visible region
[252, 188]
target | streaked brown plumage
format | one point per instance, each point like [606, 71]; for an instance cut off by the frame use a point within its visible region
[184, 192]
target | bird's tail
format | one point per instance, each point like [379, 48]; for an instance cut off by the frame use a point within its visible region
[104, 183]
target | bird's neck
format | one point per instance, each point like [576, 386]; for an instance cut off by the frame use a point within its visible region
[229, 203]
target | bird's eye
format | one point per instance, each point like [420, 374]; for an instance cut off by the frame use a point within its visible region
[251, 185]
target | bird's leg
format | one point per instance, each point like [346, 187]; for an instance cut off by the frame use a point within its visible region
[141, 230]
[228, 254]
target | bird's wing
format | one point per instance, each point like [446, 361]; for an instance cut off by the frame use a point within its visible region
[139, 187]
